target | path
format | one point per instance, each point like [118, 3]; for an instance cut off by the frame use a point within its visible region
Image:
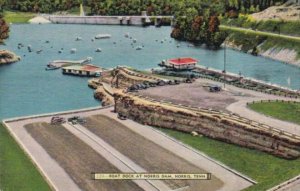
[270, 34]
[240, 107]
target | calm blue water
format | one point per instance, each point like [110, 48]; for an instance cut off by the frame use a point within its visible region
[26, 88]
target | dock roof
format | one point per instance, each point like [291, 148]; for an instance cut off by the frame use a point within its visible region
[183, 61]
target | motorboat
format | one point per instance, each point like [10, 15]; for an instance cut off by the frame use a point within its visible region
[62, 63]
[98, 50]
[78, 38]
[139, 48]
[73, 50]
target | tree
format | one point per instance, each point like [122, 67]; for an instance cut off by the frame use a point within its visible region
[4, 29]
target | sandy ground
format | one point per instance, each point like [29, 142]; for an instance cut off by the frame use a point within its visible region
[288, 13]
[60, 180]
[148, 154]
[68, 150]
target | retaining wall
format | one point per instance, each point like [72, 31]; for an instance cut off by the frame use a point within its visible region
[211, 124]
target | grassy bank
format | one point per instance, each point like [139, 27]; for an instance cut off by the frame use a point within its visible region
[280, 110]
[273, 26]
[17, 17]
[248, 39]
[266, 169]
[16, 170]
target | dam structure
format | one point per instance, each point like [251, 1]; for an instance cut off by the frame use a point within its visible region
[141, 20]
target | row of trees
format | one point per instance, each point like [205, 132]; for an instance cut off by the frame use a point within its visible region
[199, 27]
[130, 7]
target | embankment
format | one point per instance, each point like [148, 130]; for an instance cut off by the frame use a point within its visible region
[216, 125]
[271, 46]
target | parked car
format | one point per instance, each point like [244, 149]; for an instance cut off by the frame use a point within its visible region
[56, 120]
[121, 116]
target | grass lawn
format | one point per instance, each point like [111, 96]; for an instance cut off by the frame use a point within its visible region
[280, 110]
[17, 17]
[266, 169]
[16, 170]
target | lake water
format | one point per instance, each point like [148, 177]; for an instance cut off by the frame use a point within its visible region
[26, 88]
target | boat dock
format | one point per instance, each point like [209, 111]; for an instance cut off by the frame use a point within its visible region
[88, 70]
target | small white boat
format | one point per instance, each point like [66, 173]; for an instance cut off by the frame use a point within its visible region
[102, 36]
[62, 63]
[98, 50]
[73, 50]
[78, 38]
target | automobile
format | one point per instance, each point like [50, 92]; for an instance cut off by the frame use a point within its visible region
[81, 120]
[121, 116]
[188, 80]
[215, 88]
[177, 81]
[73, 118]
[57, 120]
[171, 82]
[152, 84]
[161, 83]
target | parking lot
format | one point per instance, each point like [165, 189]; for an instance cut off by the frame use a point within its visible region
[98, 141]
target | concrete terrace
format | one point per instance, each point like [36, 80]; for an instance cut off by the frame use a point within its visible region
[60, 180]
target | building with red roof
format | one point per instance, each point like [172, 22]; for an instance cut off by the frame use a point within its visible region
[184, 63]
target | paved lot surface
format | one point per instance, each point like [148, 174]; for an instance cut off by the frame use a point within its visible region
[62, 181]
[196, 94]
[123, 163]
[148, 154]
[68, 151]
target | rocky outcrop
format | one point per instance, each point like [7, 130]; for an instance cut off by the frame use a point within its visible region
[7, 57]
[211, 124]
[289, 56]
[102, 95]
[281, 54]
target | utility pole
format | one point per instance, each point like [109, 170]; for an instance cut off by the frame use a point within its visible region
[224, 71]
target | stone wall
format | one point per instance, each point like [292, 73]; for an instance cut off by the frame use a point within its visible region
[212, 125]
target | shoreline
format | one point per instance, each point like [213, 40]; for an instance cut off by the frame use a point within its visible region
[264, 54]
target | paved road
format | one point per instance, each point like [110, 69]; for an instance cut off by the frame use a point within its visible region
[260, 32]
